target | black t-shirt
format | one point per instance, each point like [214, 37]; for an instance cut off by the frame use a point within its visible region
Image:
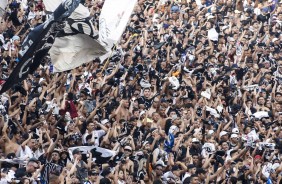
[263, 18]
[146, 101]
[21, 172]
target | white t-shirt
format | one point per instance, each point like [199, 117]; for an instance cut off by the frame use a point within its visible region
[97, 135]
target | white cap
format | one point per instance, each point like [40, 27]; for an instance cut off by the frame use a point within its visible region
[104, 121]
[210, 132]
[160, 162]
[231, 39]
[41, 80]
[222, 133]
[128, 148]
[234, 136]
[235, 131]
[274, 39]
[173, 128]
[225, 27]
[195, 140]
[237, 11]
[174, 82]
[210, 17]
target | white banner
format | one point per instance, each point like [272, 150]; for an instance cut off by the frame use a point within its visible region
[80, 12]
[105, 153]
[113, 19]
[3, 5]
[69, 52]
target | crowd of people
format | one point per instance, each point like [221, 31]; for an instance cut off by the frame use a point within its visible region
[191, 94]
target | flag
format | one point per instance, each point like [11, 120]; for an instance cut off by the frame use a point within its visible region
[99, 155]
[76, 48]
[169, 143]
[113, 19]
[269, 181]
[37, 44]
[77, 44]
[3, 5]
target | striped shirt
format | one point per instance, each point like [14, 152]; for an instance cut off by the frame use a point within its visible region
[48, 167]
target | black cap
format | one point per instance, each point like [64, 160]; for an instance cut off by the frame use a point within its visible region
[174, 168]
[11, 155]
[105, 172]
[105, 181]
[33, 160]
[93, 172]
[190, 166]
[76, 151]
[200, 171]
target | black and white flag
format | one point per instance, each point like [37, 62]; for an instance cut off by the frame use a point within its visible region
[38, 42]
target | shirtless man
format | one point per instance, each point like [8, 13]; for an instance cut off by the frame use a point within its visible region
[122, 111]
[261, 104]
[10, 145]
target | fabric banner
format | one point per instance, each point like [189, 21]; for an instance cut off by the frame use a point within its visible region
[113, 19]
[78, 43]
[99, 155]
[3, 5]
[37, 44]
[80, 12]
[69, 52]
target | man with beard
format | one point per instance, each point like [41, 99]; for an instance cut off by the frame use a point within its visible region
[261, 104]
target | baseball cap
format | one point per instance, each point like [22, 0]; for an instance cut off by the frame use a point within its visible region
[128, 148]
[105, 121]
[257, 157]
[93, 172]
[234, 135]
[222, 133]
[274, 39]
[76, 151]
[160, 163]
[174, 9]
[235, 131]
[14, 38]
[210, 132]
[190, 166]
[105, 181]
[195, 140]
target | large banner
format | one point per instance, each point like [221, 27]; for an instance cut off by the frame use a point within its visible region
[99, 155]
[3, 5]
[113, 19]
[37, 44]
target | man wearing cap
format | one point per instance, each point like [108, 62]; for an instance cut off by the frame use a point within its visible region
[191, 170]
[223, 136]
[81, 166]
[196, 147]
[93, 177]
[234, 140]
[157, 173]
[31, 167]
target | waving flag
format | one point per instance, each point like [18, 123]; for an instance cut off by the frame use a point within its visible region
[113, 19]
[38, 42]
[3, 5]
[80, 42]
[169, 143]
[99, 155]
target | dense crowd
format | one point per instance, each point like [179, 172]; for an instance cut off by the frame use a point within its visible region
[191, 94]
